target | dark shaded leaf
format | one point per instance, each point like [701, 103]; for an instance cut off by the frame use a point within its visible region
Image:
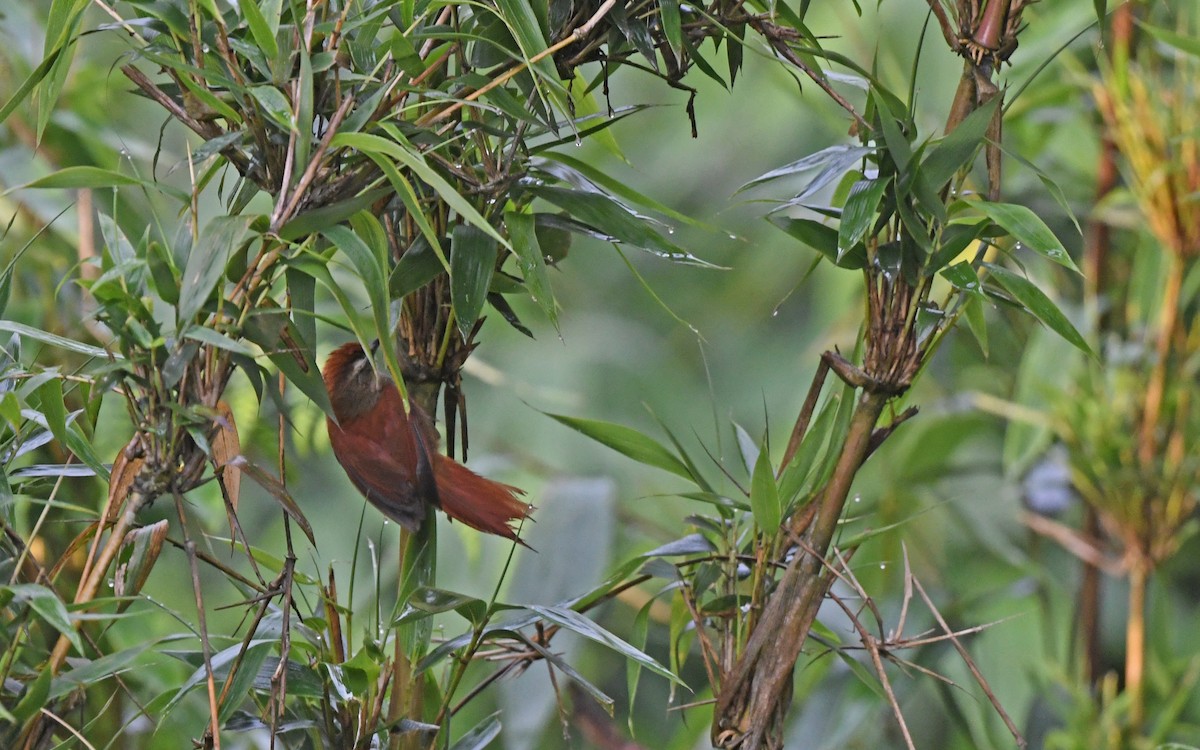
[472, 263]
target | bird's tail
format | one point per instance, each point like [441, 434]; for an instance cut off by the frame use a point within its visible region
[478, 502]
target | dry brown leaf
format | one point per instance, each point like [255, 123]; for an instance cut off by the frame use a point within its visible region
[124, 471]
[225, 446]
[144, 546]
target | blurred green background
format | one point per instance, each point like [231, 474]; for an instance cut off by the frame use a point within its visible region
[699, 349]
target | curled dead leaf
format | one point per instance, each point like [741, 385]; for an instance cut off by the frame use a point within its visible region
[139, 552]
[226, 444]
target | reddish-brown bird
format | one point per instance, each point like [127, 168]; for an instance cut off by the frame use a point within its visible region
[392, 458]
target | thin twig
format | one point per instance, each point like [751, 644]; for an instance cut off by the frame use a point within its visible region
[190, 546]
[966, 657]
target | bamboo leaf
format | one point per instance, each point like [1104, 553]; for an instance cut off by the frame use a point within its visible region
[764, 495]
[1039, 305]
[522, 230]
[627, 441]
[577, 623]
[472, 263]
[859, 213]
[1027, 228]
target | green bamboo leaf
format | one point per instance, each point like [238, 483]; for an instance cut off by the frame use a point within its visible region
[34, 699]
[836, 158]
[472, 263]
[1039, 305]
[54, 408]
[627, 441]
[61, 25]
[976, 321]
[1027, 228]
[580, 173]
[219, 340]
[611, 218]
[481, 735]
[956, 149]
[823, 239]
[671, 24]
[402, 151]
[206, 263]
[80, 177]
[577, 623]
[31, 81]
[1189, 45]
[275, 104]
[272, 329]
[532, 262]
[49, 607]
[99, 669]
[859, 213]
[55, 340]
[764, 495]
[260, 29]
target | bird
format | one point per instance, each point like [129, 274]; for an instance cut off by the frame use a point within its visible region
[390, 453]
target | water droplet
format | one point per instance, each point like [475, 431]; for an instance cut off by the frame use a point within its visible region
[386, 522]
[670, 230]
[732, 236]
[883, 566]
[858, 498]
[578, 141]
[775, 313]
[110, 583]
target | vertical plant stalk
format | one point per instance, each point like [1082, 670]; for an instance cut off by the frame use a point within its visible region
[752, 701]
[1135, 640]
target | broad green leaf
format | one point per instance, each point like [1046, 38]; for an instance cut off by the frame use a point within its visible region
[49, 607]
[576, 171]
[523, 233]
[1027, 228]
[243, 679]
[274, 331]
[859, 213]
[34, 700]
[370, 264]
[403, 152]
[275, 104]
[973, 309]
[260, 28]
[1188, 44]
[671, 24]
[427, 601]
[98, 669]
[577, 623]
[611, 218]
[61, 24]
[418, 266]
[481, 735]
[840, 158]
[472, 263]
[956, 149]
[54, 408]
[1039, 305]
[218, 240]
[627, 441]
[219, 340]
[31, 81]
[81, 177]
[764, 495]
[824, 240]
